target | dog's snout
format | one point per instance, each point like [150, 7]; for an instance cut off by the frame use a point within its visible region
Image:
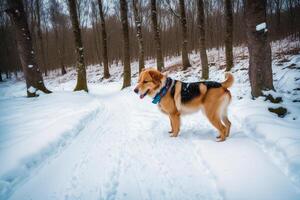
[136, 90]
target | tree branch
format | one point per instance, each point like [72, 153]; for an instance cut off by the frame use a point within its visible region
[172, 11]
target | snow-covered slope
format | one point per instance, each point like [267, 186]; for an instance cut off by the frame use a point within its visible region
[108, 144]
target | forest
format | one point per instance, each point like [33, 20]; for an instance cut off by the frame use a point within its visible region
[152, 30]
[72, 127]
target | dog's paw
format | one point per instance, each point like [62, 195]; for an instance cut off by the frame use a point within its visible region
[220, 139]
[170, 132]
[173, 135]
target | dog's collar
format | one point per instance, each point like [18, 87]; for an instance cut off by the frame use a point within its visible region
[163, 91]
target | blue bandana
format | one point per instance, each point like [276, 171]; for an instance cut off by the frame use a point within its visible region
[163, 91]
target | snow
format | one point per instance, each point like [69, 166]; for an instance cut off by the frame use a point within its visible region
[109, 144]
[31, 89]
[30, 66]
[261, 26]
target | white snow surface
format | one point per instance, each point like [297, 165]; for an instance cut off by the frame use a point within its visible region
[261, 26]
[109, 144]
[31, 89]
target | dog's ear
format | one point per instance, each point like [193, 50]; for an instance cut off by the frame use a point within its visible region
[144, 69]
[156, 76]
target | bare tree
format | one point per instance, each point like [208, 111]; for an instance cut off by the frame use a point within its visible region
[39, 35]
[58, 24]
[139, 35]
[159, 57]
[278, 6]
[104, 40]
[260, 69]
[201, 26]
[81, 73]
[1, 76]
[33, 76]
[126, 50]
[229, 35]
[185, 57]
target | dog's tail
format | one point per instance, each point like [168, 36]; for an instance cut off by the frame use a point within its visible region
[229, 80]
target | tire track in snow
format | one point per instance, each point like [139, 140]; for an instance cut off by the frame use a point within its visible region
[160, 151]
[195, 158]
[78, 164]
[13, 179]
[108, 188]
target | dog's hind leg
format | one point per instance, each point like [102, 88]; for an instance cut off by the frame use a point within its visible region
[172, 129]
[215, 120]
[227, 123]
[224, 114]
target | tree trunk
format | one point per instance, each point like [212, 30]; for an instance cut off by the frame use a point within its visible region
[1, 76]
[39, 35]
[159, 57]
[81, 73]
[7, 73]
[32, 74]
[184, 53]
[278, 4]
[260, 69]
[104, 40]
[202, 49]
[228, 36]
[59, 49]
[126, 50]
[138, 25]
[47, 52]
[62, 53]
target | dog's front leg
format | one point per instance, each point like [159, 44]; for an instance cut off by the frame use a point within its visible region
[175, 122]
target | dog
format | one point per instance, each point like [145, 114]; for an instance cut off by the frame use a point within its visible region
[175, 98]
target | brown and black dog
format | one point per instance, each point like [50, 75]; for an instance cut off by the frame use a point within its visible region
[175, 98]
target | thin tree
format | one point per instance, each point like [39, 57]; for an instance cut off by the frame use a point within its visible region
[81, 73]
[57, 22]
[32, 73]
[201, 26]
[185, 57]
[278, 5]
[159, 57]
[260, 69]
[228, 35]
[104, 40]
[139, 35]
[40, 35]
[126, 50]
[96, 34]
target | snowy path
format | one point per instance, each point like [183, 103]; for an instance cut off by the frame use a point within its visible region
[124, 152]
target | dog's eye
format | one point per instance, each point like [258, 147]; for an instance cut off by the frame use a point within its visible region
[145, 81]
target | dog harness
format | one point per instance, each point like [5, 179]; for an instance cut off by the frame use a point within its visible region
[163, 91]
[188, 90]
[191, 90]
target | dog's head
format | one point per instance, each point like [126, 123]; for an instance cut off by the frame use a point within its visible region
[149, 82]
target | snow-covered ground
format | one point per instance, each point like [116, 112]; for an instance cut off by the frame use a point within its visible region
[109, 144]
